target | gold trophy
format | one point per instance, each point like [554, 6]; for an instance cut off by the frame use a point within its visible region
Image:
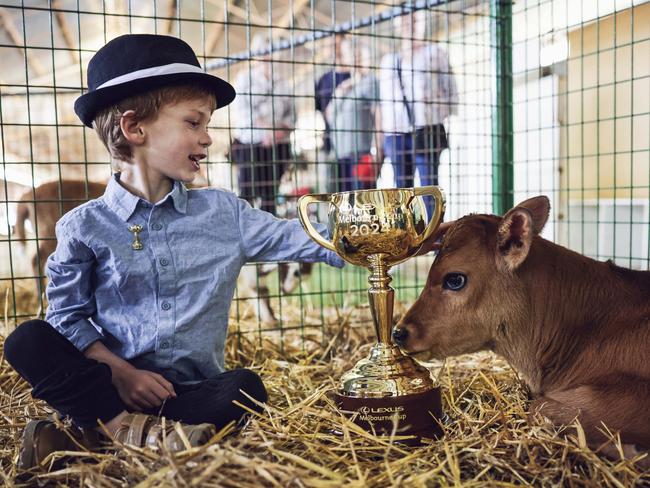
[387, 392]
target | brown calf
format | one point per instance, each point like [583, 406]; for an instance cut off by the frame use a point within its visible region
[43, 206]
[577, 330]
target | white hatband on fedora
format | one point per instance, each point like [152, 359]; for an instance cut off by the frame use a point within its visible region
[168, 69]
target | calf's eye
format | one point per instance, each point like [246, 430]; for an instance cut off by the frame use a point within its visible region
[454, 281]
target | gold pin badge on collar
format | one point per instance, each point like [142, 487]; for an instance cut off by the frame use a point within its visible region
[136, 244]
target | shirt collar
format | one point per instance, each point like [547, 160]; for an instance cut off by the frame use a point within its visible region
[123, 202]
[178, 196]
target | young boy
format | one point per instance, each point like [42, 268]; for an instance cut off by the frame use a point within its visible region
[142, 278]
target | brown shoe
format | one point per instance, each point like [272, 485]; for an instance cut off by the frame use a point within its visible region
[141, 430]
[43, 437]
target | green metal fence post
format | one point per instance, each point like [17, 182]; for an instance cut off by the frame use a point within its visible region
[502, 130]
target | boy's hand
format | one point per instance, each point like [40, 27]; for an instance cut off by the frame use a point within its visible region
[140, 389]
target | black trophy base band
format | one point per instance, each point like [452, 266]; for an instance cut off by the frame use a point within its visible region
[417, 415]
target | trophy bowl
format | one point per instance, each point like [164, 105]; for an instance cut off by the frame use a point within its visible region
[388, 392]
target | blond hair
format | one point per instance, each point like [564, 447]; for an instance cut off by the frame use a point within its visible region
[146, 107]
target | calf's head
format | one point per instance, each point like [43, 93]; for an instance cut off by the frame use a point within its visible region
[473, 291]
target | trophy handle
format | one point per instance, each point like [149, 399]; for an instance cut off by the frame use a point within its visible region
[303, 215]
[438, 210]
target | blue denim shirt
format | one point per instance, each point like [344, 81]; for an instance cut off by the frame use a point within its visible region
[163, 308]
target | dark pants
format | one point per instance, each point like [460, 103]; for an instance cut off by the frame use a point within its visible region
[81, 388]
[259, 169]
[346, 179]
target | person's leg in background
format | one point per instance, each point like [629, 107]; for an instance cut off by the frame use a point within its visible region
[270, 167]
[263, 180]
[426, 163]
[397, 147]
[429, 143]
[345, 179]
[283, 160]
[408, 155]
[244, 156]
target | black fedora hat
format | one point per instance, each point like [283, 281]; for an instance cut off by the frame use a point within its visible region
[136, 63]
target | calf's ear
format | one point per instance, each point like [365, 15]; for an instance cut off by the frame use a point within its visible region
[517, 230]
[514, 238]
[539, 208]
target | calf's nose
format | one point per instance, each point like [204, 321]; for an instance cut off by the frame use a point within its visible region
[400, 335]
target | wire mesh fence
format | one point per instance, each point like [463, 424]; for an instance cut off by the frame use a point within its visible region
[492, 101]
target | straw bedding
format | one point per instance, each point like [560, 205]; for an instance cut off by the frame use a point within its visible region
[488, 442]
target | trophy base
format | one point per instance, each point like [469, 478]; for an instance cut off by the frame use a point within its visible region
[418, 415]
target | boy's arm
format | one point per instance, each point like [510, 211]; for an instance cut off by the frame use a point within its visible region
[267, 238]
[99, 352]
[70, 294]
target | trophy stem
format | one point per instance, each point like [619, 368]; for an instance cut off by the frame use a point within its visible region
[382, 298]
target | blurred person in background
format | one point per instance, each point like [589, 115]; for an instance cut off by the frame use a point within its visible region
[418, 93]
[262, 119]
[351, 118]
[324, 90]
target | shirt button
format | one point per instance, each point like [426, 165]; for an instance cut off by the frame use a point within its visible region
[166, 305]
[164, 345]
[156, 226]
[164, 261]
